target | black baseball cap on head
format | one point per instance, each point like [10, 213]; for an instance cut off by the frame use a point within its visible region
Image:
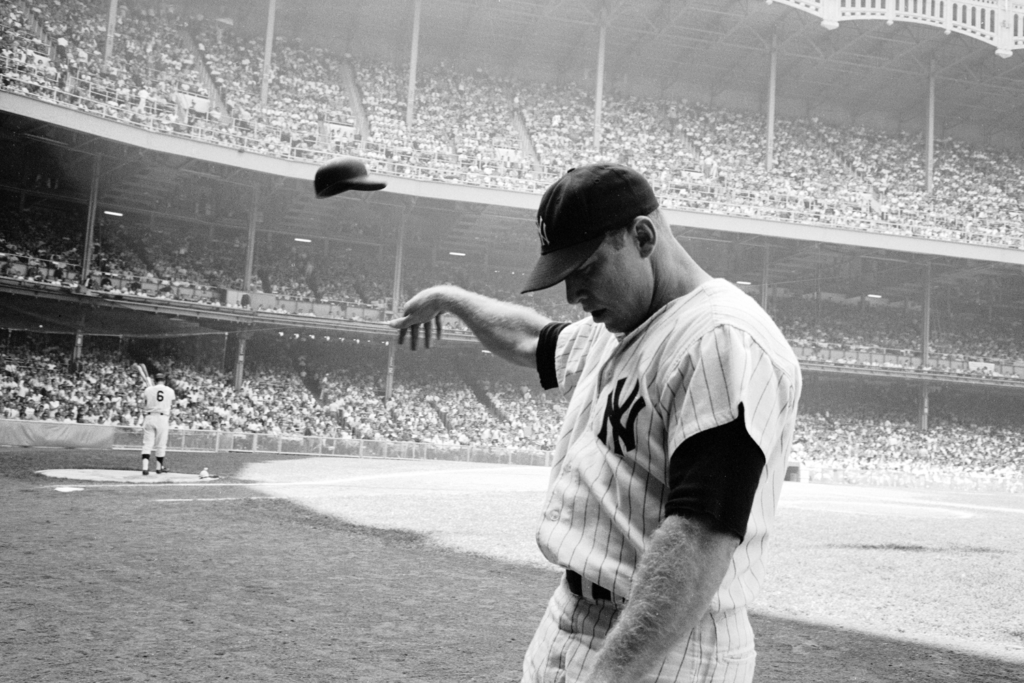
[578, 210]
[160, 375]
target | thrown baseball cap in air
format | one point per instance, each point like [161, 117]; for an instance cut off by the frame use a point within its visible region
[577, 211]
[343, 174]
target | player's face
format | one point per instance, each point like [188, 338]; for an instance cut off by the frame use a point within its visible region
[615, 286]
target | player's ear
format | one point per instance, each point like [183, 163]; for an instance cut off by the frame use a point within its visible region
[645, 234]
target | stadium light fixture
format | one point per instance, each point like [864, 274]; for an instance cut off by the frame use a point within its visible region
[874, 296]
[302, 239]
[456, 253]
[114, 213]
[742, 282]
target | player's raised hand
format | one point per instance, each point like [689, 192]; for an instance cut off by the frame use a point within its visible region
[423, 309]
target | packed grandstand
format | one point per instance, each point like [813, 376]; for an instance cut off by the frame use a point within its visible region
[194, 76]
[467, 125]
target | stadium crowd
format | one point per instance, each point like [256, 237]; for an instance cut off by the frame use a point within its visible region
[198, 76]
[476, 129]
[312, 388]
[175, 262]
[967, 335]
[198, 264]
[866, 443]
[282, 394]
[150, 79]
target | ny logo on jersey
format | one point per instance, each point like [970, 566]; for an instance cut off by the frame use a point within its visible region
[542, 230]
[615, 409]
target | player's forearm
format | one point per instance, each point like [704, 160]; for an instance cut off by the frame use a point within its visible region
[507, 330]
[677, 577]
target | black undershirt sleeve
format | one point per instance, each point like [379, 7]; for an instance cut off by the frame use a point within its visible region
[546, 354]
[714, 475]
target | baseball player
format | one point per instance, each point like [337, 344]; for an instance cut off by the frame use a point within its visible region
[682, 404]
[158, 399]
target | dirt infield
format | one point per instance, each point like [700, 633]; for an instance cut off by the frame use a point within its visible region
[287, 575]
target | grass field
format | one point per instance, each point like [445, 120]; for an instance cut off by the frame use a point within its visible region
[333, 569]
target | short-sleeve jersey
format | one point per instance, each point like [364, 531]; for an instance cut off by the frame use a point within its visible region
[159, 399]
[634, 400]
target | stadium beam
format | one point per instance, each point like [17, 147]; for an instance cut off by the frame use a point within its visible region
[90, 223]
[925, 390]
[108, 49]
[76, 351]
[396, 293]
[926, 312]
[773, 64]
[930, 134]
[926, 315]
[243, 339]
[410, 107]
[764, 275]
[602, 31]
[250, 245]
[268, 53]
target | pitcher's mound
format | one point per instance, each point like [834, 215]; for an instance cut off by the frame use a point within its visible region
[125, 476]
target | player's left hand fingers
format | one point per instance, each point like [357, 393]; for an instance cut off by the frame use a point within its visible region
[414, 333]
[437, 323]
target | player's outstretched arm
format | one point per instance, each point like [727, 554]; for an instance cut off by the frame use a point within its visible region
[507, 330]
[679, 574]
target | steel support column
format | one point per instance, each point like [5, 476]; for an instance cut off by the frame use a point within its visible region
[108, 49]
[769, 156]
[926, 313]
[926, 316]
[764, 277]
[243, 339]
[599, 87]
[250, 246]
[930, 134]
[76, 353]
[396, 294]
[90, 223]
[410, 107]
[268, 52]
[925, 390]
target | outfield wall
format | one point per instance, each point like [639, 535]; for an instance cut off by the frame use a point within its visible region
[130, 438]
[38, 434]
[913, 479]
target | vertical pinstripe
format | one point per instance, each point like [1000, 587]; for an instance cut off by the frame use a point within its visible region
[694, 363]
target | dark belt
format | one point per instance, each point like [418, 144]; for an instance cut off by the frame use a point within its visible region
[575, 582]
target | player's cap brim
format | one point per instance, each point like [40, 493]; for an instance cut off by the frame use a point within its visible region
[553, 267]
[367, 184]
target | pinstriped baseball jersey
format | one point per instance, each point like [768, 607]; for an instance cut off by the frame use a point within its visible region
[159, 399]
[633, 401]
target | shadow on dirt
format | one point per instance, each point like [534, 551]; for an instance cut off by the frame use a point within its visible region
[795, 651]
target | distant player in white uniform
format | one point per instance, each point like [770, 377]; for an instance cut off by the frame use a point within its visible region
[158, 400]
[669, 465]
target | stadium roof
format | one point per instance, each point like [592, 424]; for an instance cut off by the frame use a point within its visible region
[698, 48]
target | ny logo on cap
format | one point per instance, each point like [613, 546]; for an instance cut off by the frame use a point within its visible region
[542, 230]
